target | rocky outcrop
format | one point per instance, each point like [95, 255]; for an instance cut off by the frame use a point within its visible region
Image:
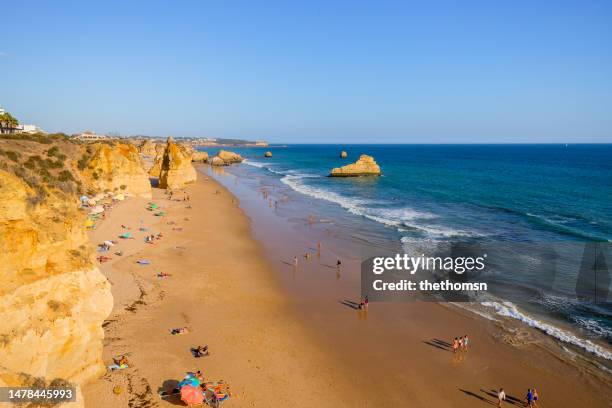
[155, 169]
[365, 166]
[217, 161]
[116, 167]
[229, 157]
[343, 154]
[147, 148]
[198, 156]
[268, 154]
[176, 168]
[53, 300]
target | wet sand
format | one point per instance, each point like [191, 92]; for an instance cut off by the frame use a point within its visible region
[285, 336]
[401, 349]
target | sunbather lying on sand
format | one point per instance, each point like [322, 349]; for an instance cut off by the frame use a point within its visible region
[120, 363]
[163, 274]
[103, 258]
[179, 330]
[200, 351]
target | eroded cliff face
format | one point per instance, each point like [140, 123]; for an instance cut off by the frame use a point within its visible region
[176, 167]
[53, 300]
[147, 148]
[116, 167]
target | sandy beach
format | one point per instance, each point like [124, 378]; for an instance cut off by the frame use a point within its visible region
[223, 290]
[285, 336]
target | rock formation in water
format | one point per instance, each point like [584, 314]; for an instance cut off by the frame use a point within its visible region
[268, 154]
[201, 157]
[116, 167]
[176, 167]
[217, 161]
[343, 154]
[53, 300]
[147, 148]
[365, 166]
[229, 157]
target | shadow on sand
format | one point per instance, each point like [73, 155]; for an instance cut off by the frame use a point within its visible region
[439, 344]
[493, 394]
[166, 392]
[349, 303]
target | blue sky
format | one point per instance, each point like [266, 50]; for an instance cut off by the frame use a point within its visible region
[313, 71]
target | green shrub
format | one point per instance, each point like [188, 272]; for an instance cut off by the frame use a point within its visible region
[65, 175]
[14, 156]
[53, 151]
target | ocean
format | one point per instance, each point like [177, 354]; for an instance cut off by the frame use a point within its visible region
[431, 194]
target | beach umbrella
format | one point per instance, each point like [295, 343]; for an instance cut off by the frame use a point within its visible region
[89, 223]
[120, 197]
[91, 202]
[84, 199]
[192, 395]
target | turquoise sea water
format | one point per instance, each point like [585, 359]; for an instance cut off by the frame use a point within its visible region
[437, 193]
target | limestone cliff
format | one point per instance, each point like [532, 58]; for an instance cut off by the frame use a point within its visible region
[365, 166]
[176, 168]
[147, 148]
[53, 300]
[155, 169]
[116, 167]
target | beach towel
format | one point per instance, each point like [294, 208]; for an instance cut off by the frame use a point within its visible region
[126, 235]
[143, 262]
[114, 367]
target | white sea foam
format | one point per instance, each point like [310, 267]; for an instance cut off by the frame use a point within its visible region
[254, 164]
[366, 208]
[508, 309]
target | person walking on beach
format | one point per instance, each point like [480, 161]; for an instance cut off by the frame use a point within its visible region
[535, 397]
[501, 396]
[529, 398]
[295, 261]
[365, 302]
[338, 264]
[465, 342]
[455, 344]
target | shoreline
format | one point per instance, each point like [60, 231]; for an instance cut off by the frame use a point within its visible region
[265, 335]
[400, 334]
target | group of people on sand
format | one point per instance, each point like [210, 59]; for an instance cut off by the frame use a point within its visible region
[460, 343]
[531, 399]
[363, 303]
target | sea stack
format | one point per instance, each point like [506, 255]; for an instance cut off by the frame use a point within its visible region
[217, 161]
[365, 166]
[343, 154]
[268, 154]
[201, 157]
[176, 168]
[229, 157]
